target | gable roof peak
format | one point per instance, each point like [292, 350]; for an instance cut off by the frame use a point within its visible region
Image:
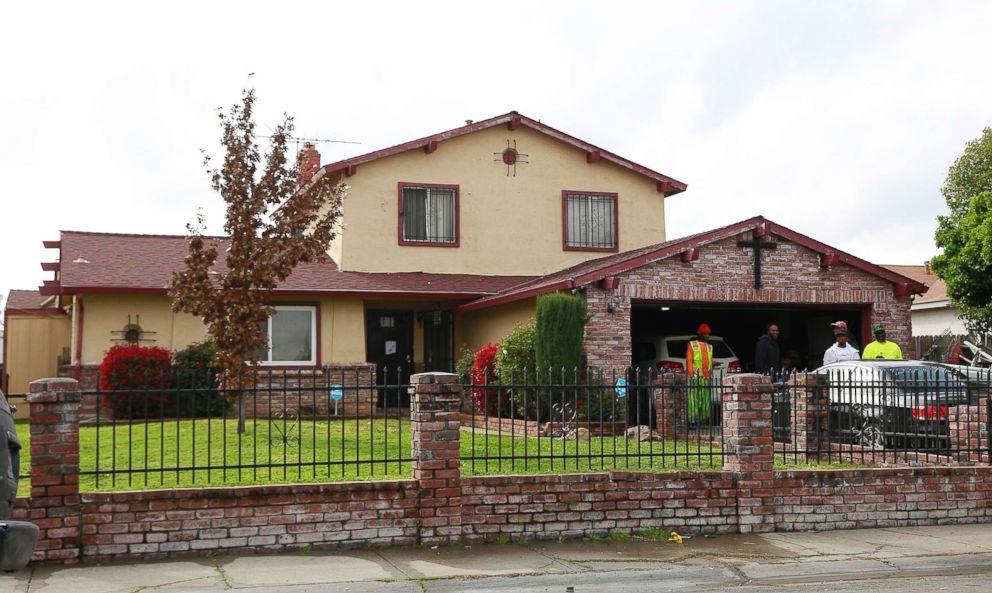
[513, 120]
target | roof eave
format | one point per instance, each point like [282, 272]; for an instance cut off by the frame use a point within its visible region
[672, 186]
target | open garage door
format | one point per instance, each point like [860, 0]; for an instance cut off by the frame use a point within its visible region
[803, 329]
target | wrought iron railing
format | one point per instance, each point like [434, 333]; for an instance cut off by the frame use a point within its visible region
[291, 426]
[525, 421]
[884, 414]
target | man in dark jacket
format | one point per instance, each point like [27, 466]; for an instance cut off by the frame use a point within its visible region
[767, 359]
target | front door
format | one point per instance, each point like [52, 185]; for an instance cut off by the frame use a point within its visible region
[439, 341]
[389, 344]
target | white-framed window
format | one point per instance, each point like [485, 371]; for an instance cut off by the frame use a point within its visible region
[291, 333]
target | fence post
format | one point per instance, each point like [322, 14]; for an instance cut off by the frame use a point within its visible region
[434, 410]
[810, 414]
[748, 448]
[54, 504]
[670, 401]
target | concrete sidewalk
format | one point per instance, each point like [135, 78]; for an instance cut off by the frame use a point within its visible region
[587, 566]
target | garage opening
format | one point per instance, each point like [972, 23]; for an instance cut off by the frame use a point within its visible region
[804, 330]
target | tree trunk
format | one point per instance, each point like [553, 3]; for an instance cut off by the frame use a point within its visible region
[241, 413]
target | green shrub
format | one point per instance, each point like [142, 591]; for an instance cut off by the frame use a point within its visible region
[516, 352]
[561, 319]
[197, 379]
[464, 365]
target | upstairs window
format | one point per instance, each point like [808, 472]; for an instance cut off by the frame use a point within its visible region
[429, 215]
[590, 221]
[291, 335]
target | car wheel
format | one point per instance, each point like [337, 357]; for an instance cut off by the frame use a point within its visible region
[867, 431]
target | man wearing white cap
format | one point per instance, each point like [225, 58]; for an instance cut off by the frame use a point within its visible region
[840, 351]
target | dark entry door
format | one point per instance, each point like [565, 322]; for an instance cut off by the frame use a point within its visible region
[389, 344]
[439, 341]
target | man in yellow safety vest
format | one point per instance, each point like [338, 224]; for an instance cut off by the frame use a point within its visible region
[698, 365]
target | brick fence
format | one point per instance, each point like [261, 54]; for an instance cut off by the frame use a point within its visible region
[439, 505]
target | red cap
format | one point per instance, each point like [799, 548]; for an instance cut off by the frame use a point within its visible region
[703, 329]
[839, 325]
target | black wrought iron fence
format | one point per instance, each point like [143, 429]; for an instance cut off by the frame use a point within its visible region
[887, 413]
[526, 421]
[290, 426]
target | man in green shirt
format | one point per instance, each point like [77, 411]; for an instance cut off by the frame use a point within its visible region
[881, 348]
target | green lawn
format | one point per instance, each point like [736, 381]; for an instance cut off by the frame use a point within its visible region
[194, 453]
[23, 429]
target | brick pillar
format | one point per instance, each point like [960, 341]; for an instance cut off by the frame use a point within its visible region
[747, 444]
[434, 410]
[54, 503]
[968, 427]
[670, 399]
[810, 415]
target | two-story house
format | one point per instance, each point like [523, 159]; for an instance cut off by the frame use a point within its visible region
[447, 240]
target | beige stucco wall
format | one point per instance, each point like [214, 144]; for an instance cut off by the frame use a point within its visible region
[106, 313]
[477, 328]
[342, 325]
[932, 322]
[509, 224]
[34, 344]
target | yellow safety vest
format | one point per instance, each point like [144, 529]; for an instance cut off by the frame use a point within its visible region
[699, 359]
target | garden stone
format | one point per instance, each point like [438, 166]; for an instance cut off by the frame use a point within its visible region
[642, 434]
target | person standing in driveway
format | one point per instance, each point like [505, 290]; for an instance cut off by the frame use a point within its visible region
[841, 351]
[882, 348]
[767, 356]
[699, 365]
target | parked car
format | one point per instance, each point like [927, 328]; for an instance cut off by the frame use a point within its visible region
[978, 379]
[17, 538]
[667, 353]
[892, 403]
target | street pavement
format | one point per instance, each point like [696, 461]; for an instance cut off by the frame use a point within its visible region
[907, 560]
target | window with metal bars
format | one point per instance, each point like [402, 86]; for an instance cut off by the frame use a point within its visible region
[429, 215]
[590, 221]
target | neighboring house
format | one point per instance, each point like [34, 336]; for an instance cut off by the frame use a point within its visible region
[447, 241]
[36, 333]
[933, 313]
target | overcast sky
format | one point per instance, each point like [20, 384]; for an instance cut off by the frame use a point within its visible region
[838, 119]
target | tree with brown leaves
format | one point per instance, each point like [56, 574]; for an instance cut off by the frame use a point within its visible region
[273, 223]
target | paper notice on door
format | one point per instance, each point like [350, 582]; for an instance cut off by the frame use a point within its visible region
[390, 346]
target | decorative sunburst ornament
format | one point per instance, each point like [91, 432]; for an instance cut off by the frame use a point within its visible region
[510, 156]
[132, 333]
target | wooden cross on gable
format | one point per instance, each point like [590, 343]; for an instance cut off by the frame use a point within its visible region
[758, 246]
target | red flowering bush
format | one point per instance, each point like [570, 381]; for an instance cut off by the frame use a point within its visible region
[483, 372]
[138, 373]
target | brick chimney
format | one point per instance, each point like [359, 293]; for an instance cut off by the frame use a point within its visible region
[926, 267]
[308, 162]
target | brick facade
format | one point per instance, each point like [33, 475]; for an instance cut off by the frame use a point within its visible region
[439, 505]
[724, 273]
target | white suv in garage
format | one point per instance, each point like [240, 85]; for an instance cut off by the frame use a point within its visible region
[667, 353]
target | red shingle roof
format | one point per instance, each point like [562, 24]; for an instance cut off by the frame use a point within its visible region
[107, 262]
[937, 292]
[597, 269]
[26, 301]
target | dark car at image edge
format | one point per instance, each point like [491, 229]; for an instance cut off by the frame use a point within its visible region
[17, 538]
